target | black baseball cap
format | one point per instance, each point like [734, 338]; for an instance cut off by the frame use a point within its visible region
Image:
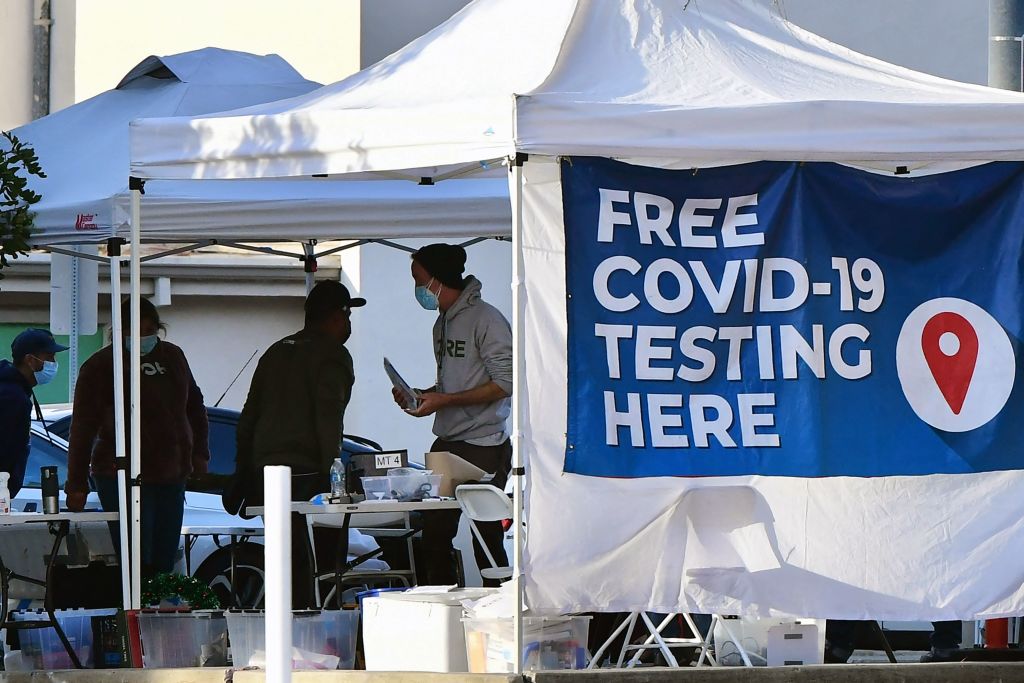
[34, 340]
[328, 295]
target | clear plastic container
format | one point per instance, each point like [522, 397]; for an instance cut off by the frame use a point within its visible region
[549, 644]
[411, 484]
[41, 649]
[320, 640]
[172, 640]
[377, 488]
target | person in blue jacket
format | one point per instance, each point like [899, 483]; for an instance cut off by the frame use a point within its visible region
[33, 353]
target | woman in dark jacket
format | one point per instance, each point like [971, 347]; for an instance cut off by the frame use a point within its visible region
[174, 437]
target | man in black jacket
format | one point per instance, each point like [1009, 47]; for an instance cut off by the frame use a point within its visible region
[34, 362]
[295, 411]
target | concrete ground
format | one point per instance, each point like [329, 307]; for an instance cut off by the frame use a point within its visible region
[858, 673]
[850, 673]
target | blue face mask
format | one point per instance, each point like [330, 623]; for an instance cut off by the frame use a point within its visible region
[46, 375]
[426, 298]
[146, 344]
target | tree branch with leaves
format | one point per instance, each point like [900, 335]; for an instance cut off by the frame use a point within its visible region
[18, 162]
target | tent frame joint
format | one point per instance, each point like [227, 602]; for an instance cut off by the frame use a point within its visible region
[138, 184]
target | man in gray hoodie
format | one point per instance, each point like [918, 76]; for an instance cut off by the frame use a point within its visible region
[471, 400]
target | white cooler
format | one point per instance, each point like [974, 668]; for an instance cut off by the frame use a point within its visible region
[417, 631]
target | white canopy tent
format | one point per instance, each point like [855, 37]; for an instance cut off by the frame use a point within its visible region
[85, 199]
[656, 82]
[84, 152]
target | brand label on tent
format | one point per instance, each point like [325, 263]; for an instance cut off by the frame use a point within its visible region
[792, 319]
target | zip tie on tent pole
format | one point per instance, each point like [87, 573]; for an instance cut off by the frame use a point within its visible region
[518, 471]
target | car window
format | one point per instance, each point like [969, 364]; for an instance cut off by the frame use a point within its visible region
[44, 454]
[222, 447]
[61, 427]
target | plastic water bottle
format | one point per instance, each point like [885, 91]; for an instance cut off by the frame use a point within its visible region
[338, 478]
[5, 494]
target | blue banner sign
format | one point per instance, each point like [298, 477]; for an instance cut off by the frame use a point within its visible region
[790, 319]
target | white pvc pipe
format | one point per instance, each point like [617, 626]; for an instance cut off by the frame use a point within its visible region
[277, 541]
[518, 327]
[136, 394]
[117, 345]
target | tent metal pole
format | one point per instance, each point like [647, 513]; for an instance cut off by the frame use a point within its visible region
[518, 472]
[75, 254]
[136, 392]
[76, 327]
[117, 344]
[309, 264]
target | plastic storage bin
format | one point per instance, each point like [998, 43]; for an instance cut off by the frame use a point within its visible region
[173, 640]
[376, 488]
[320, 640]
[411, 484]
[752, 634]
[428, 625]
[549, 644]
[41, 649]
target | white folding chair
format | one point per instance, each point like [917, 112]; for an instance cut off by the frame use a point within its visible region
[485, 503]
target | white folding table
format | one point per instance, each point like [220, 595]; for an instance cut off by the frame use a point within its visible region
[345, 511]
[58, 525]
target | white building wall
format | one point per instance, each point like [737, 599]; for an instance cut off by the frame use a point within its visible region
[388, 25]
[219, 335]
[948, 38]
[15, 63]
[394, 325]
[95, 42]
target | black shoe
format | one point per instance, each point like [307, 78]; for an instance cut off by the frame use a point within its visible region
[942, 654]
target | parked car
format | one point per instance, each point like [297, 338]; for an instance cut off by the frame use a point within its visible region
[210, 555]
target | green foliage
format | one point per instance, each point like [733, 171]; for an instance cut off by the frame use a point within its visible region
[17, 162]
[178, 589]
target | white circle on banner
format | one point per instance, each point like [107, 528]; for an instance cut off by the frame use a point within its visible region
[951, 393]
[949, 343]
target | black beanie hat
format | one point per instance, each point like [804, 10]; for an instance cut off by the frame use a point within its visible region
[444, 262]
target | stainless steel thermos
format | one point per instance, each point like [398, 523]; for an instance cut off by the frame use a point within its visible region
[51, 489]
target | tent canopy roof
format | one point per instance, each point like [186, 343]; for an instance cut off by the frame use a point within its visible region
[84, 151]
[714, 82]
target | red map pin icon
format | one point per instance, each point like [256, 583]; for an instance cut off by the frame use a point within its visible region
[950, 346]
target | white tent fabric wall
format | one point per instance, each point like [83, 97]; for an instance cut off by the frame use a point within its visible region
[844, 547]
[662, 83]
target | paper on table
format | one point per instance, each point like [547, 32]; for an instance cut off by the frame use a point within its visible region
[453, 470]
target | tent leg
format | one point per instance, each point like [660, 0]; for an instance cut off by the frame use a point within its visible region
[309, 265]
[518, 472]
[136, 393]
[114, 251]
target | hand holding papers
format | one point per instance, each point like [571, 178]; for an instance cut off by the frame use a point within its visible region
[408, 396]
